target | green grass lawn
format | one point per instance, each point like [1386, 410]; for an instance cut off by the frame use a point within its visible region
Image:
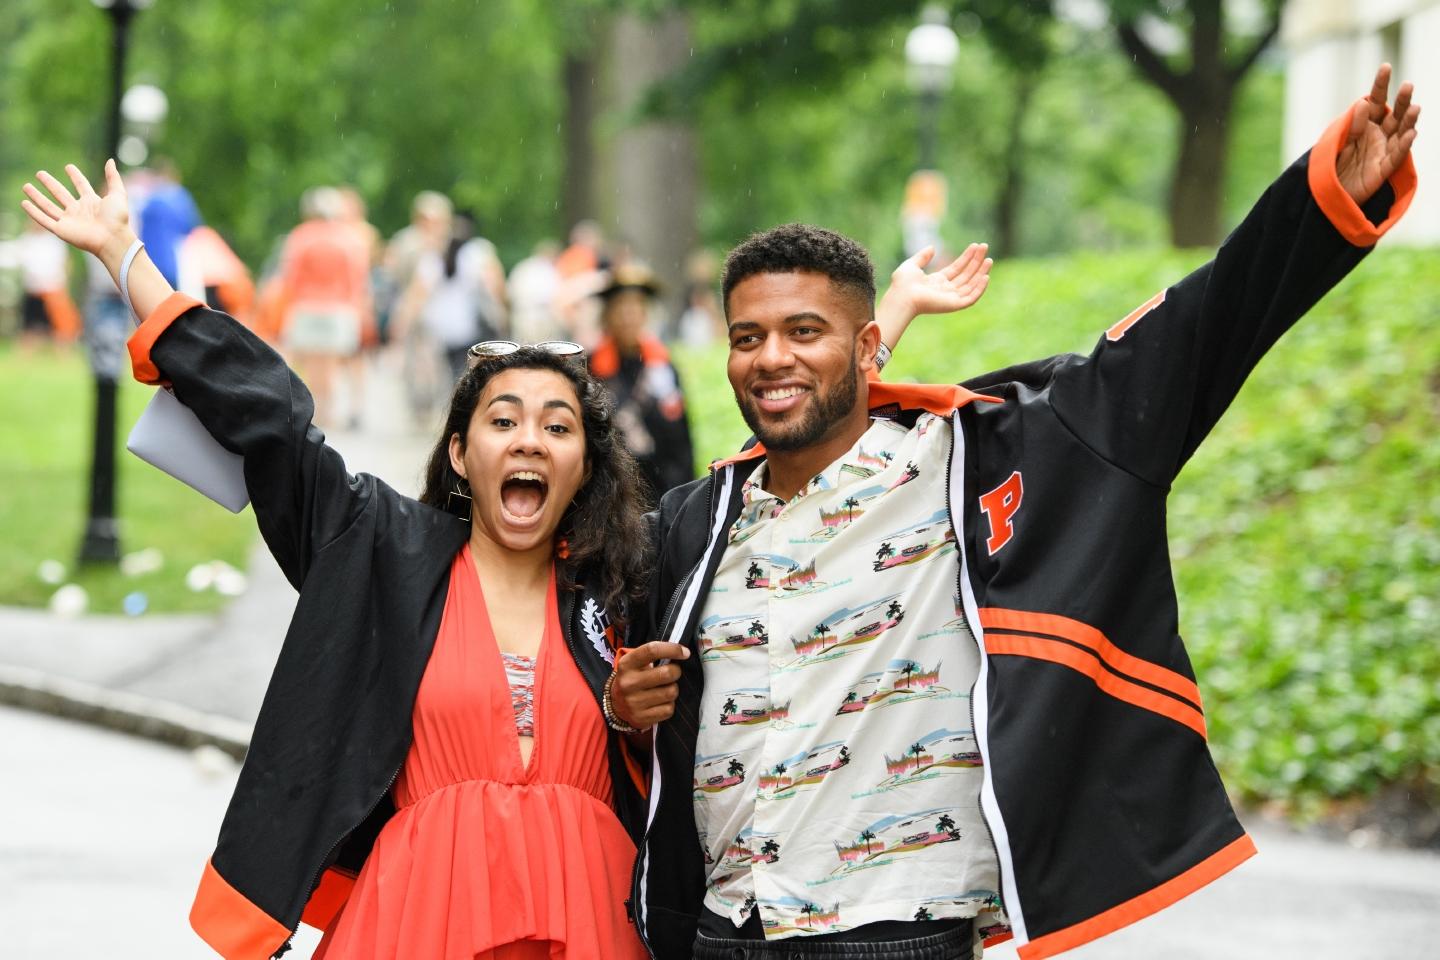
[45, 438]
[1305, 533]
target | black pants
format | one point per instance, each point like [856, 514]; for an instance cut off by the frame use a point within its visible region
[928, 940]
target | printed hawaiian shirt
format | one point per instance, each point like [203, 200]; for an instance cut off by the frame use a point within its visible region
[837, 777]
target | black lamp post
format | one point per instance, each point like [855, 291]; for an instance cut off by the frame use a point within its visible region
[102, 533]
[930, 52]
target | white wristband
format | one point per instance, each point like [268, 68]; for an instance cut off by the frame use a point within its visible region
[124, 281]
[882, 356]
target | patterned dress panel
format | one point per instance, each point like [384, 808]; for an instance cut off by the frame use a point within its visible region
[837, 776]
[520, 674]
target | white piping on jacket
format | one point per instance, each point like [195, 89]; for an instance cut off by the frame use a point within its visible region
[979, 698]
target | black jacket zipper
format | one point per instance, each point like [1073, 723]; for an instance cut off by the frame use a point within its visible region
[639, 908]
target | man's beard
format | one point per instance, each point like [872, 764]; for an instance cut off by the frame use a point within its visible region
[829, 408]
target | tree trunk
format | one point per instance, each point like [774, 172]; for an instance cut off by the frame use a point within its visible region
[1204, 95]
[1012, 181]
[581, 104]
[651, 167]
[1197, 192]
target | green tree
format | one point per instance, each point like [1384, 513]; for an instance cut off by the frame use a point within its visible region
[1201, 83]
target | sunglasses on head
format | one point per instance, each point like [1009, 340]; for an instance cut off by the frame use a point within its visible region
[569, 351]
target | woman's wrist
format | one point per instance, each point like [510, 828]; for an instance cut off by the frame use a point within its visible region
[112, 252]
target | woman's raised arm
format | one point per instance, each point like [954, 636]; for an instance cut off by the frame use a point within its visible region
[238, 387]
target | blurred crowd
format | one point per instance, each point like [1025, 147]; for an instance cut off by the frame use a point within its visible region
[335, 297]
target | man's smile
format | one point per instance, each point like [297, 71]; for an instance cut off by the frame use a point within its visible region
[779, 397]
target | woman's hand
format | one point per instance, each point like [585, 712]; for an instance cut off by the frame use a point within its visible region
[84, 219]
[644, 690]
[1378, 139]
[913, 291]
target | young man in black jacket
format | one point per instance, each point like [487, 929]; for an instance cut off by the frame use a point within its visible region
[935, 690]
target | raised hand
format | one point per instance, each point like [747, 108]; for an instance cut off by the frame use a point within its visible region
[955, 287]
[1378, 140]
[83, 219]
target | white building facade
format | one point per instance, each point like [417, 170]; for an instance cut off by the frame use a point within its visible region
[1332, 49]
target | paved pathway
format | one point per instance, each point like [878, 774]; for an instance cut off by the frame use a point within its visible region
[106, 836]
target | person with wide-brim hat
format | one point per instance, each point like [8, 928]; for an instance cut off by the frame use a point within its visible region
[635, 365]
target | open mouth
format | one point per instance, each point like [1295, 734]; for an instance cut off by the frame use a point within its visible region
[522, 494]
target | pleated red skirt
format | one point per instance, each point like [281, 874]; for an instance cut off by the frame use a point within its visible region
[487, 857]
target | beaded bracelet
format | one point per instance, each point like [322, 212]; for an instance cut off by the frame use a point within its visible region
[607, 703]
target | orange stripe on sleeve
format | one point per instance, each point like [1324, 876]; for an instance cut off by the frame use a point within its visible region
[1078, 660]
[142, 341]
[1134, 317]
[1088, 636]
[1213, 867]
[1336, 204]
[231, 924]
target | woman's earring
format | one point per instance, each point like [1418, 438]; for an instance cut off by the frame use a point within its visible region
[451, 504]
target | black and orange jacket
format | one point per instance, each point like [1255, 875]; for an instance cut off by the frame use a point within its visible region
[372, 568]
[1099, 788]
[652, 395]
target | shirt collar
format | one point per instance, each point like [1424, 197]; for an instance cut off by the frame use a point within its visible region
[866, 458]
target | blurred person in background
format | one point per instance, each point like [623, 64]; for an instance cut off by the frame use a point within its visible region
[634, 364]
[532, 288]
[582, 267]
[9, 276]
[583, 254]
[167, 215]
[455, 298]
[427, 232]
[324, 288]
[47, 314]
[207, 264]
[370, 249]
[700, 322]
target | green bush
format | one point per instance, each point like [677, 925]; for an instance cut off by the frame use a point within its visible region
[1306, 531]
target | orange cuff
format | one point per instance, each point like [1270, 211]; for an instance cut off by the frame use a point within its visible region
[144, 337]
[1336, 204]
[327, 900]
[231, 924]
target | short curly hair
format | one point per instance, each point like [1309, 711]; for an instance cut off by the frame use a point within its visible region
[799, 246]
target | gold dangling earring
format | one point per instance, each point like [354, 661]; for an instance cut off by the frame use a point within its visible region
[457, 494]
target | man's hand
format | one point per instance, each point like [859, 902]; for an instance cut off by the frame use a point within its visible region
[85, 220]
[644, 691]
[913, 291]
[1378, 140]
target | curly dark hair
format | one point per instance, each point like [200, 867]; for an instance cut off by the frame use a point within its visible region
[603, 528]
[799, 246]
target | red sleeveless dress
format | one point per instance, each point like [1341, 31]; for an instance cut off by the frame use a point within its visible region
[486, 857]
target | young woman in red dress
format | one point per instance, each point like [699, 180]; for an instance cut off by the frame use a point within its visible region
[431, 774]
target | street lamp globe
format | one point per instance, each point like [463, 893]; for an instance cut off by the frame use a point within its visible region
[931, 50]
[145, 105]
